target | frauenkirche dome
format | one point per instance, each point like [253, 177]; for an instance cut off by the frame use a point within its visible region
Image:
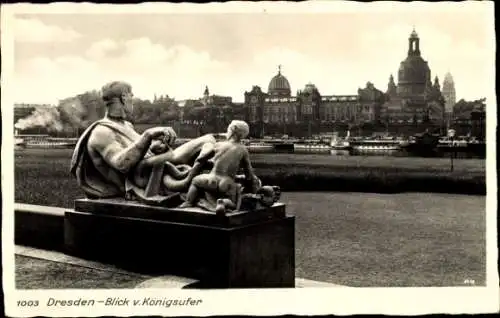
[279, 85]
[414, 72]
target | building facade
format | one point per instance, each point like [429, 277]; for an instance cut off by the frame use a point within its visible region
[308, 112]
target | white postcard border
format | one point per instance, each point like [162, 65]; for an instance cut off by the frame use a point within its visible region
[306, 301]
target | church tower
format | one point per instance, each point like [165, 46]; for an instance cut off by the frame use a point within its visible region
[414, 75]
[391, 87]
[413, 44]
[449, 92]
[437, 87]
[206, 96]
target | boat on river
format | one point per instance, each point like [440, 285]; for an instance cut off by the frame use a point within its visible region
[311, 147]
[338, 143]
[43, 142]
[259, 146]
[19, 143]
[461, 144]
[376, 144]
[363, 144]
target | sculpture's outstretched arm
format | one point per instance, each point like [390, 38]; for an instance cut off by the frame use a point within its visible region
[182, 154]
[123, 159]
[158, 159]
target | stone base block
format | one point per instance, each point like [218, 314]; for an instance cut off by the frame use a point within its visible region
[39, 226]
[240, 250]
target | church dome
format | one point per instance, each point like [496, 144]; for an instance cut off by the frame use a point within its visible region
[414, 73]
[279, 85]
[414, 70]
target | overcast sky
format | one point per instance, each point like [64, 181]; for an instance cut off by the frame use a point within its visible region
[60, 55]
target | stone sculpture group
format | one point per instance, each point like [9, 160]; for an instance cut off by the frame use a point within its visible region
[112, 160]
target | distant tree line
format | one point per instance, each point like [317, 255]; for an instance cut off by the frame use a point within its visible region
[464, 109]
[162, 110]
[159, 111]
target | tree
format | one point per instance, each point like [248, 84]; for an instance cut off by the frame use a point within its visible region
[228, 114]
[463, 109]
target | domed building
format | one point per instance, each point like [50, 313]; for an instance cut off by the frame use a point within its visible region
[414, 74]
[279, 85]
[308, 112]
[415, 99]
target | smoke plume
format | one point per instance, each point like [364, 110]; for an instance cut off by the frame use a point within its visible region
[69, 114]
[47, 117]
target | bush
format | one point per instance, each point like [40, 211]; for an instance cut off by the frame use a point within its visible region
[371, 181]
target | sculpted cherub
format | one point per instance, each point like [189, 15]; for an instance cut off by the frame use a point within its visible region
[218, 190]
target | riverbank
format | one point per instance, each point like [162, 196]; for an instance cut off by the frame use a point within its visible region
[42, 175]
[294, 172]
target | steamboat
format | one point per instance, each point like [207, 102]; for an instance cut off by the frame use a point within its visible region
[385, 144]
[370, 144]
[43, 142]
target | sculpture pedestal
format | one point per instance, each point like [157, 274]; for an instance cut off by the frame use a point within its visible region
[252, 249]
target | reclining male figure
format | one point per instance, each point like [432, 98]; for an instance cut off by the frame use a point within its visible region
[110, 153]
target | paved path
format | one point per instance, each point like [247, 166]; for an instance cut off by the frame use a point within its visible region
[33, 262]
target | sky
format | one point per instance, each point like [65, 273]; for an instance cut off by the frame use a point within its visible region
[60, 55]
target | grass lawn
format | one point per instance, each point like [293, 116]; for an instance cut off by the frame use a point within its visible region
[299, 172]
[394, 164]
[381, 240]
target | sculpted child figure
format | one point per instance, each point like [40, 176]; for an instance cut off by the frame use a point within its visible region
[219, 188]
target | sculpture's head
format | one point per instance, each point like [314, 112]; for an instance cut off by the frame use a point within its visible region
[238, 129]
[118, 98]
